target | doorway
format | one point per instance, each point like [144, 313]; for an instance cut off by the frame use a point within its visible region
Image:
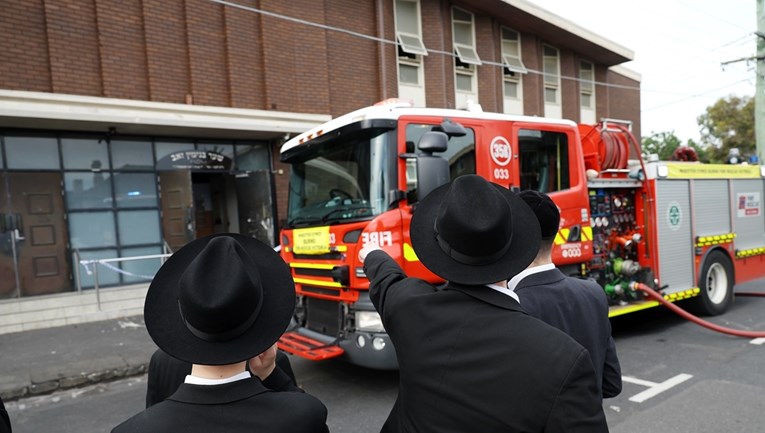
[201, 203]
[33, 234]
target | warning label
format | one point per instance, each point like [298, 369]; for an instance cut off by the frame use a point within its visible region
[748, 204]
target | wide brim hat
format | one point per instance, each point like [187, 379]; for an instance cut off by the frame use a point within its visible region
[219, 300]
[545, 209]
[472, 231]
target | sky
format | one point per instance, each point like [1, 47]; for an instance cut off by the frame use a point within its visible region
[679, 47]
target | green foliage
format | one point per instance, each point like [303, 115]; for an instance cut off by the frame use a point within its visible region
[665, 143]
[726, 124]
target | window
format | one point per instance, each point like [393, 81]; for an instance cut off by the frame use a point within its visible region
[511, 52]
[464, 37]
[132, 155]
[85, 154]
[466, 58]
[587, 92]
[408, 32]
[88, 190]
[551, 87]
[543, 160]
[512, 71]
[551, 74]
[410, 51]
[32, 153]
[587, 84]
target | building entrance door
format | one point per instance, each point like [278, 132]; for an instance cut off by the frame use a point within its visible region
[177, 201]
[33, 233]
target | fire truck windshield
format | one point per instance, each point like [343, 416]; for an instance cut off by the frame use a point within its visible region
[340, 180]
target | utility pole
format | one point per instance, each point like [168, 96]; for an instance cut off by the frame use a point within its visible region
[759, 94]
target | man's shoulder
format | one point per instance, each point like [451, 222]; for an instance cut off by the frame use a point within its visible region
[165, 416]
[534, 328]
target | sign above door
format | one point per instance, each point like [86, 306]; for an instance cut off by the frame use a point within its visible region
[195, 160]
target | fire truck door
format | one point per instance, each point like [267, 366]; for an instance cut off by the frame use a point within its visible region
[545, 165]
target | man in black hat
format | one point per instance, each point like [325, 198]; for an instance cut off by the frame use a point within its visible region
[470, 359]
[221, 303]
[576, 306]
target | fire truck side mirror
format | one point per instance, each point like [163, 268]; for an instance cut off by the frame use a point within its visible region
[432, 142]
[451, 128]
[432, 170]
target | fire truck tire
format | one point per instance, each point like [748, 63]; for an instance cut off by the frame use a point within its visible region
[716, 284]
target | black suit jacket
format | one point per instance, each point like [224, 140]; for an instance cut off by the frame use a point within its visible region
[243, 406]
[470, 360]
[5, 421]
[580, 309]
[166, 374]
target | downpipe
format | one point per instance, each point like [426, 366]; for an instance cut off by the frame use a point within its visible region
[688, 316]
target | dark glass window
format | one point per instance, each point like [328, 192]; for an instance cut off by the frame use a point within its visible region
[543, 160]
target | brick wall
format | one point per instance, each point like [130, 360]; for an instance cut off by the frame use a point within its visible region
[624, 103]
[439, 68]
[533, 96]
[122, 49]
[24, 17]
[569, 87]
[200, 52]
[196, 51]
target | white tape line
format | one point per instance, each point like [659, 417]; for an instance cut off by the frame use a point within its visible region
[660, 387]
[637, 381]
[758, 341]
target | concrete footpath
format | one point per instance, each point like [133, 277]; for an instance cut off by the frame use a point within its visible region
[46, 360]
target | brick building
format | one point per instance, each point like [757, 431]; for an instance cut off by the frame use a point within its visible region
[130, 126]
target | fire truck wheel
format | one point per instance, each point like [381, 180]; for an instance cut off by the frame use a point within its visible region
[716, 284]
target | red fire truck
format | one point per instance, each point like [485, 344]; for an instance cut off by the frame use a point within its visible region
[687, 230]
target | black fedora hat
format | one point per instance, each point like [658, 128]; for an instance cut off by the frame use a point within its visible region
[546, 211]
[219, 300]
[473, 231]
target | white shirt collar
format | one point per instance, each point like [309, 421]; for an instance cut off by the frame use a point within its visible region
[513, 283]
[505, 290]
[196, 380]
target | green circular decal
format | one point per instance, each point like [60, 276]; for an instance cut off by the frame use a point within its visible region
[674, 216]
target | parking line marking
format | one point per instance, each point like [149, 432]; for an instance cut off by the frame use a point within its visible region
[637, 381]
[759, 341]
[658, 388]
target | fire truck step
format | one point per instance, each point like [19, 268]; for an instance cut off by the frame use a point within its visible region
[308, 348]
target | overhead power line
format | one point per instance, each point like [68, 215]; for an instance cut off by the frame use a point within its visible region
[697, 95]
[451, 54]
[393, 42]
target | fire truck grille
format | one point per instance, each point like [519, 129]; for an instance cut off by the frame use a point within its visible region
[323, 316]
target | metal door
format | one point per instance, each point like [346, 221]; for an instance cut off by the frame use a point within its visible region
[177, 201]
[33, 235]
[256, 215]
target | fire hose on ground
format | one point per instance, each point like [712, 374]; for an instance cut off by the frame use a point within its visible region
[688, 316]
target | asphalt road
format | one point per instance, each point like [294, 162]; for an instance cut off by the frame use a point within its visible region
[679, 377]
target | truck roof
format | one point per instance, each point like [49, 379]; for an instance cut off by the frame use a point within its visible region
[396, 109]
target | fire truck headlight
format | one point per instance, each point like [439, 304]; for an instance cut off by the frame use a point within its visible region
[378, 343]
[369, 321]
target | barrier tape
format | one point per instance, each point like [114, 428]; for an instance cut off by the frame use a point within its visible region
[116, 269]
